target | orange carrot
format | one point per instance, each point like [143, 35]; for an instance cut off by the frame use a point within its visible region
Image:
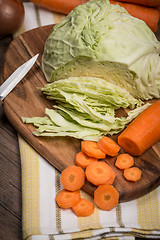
[111, 179]
[65, 6]
[149, 15]
[67, 199]
[132, 174]
[83, 208]
[158, 9]
[142, 132]
[98, 173]
[91, 149]
[82, 160]
[61, 6]
[124, 161]
[108, 146]
[149, 3]
[72, 178]
[106, 197]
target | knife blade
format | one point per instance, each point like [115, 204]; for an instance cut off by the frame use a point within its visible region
[16, 77]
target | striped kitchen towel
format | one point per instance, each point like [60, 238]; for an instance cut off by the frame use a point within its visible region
[42, 219]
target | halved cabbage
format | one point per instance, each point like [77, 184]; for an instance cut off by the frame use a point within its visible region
[103, 40]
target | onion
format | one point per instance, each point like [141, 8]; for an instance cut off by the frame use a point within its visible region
[11, 16]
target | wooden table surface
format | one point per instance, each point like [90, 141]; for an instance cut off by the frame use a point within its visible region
[10, 170]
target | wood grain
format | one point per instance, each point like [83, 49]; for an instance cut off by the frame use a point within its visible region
[27, 101]
[10, 182]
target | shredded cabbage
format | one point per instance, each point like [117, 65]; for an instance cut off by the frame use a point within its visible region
[85, 108]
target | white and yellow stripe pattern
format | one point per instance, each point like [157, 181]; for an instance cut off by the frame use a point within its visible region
[42, 219]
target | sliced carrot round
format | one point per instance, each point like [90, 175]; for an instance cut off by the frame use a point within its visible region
[108, 146]
[111, 179]
[72, 178]
[67, 199]
[82, 160]
[106, 197]
[98, 172]
[91, 149]
[132, 174]
[83, 208]
[124, 161]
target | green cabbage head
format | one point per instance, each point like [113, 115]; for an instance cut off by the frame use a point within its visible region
[98, 39]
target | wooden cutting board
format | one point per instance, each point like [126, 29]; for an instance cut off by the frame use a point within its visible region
[27, 101]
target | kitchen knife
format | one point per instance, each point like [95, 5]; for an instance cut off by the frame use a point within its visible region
[16, 77]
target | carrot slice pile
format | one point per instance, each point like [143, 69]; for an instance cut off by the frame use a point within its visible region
[72, 178]
[82, 160]
[67, 199]
[84, 208]
[132, 174]
[106, 197]
[98, 173]
[108, 146]
[91, 149]
[124, 161]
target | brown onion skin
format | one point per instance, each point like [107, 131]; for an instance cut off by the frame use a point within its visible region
[11, 16]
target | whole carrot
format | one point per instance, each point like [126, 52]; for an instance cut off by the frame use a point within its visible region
[61, 6]
[149, 3]
[149, 15]
[158, 9]
[143, 132]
